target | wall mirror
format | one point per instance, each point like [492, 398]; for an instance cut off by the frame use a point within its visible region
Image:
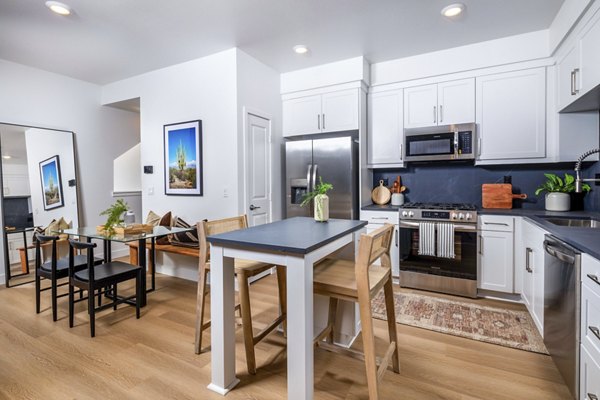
[39, 188]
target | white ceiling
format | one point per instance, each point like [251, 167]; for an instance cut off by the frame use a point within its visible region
[108, 40]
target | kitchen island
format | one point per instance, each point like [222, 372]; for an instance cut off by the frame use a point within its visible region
[296, 243]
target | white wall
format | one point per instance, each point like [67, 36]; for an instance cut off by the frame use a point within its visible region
[509, 50]
[258, 88]
[202, 89]
[566, 18]
[41, 145]
[127, 171]
[33, 97]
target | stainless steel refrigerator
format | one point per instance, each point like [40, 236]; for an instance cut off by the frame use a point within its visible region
[335, 160]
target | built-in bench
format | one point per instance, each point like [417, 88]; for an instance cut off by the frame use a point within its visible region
[24, 257]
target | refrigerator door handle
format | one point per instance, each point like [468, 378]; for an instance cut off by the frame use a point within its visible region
[308, 171]
[314, 179]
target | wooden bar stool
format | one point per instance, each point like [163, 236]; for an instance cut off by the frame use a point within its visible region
[360, 282]
[244, 270]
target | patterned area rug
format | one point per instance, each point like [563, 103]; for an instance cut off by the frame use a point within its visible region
[487, 324]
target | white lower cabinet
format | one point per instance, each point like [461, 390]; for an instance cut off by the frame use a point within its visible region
[529, 261]
[376, 219]
[589, 376]
[589, 367]
[495, 265]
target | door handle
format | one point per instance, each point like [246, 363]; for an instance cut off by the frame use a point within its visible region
[527, 267]
[253, 207]
[480, 245]
[401, 155]
[574, 91]
[396, 237]
[592, 396]
[594, 278]
[434, 114]
[319, 121]
[308, 177]
[314, 179]
[595, 331]
[323, 121]
[441, 113]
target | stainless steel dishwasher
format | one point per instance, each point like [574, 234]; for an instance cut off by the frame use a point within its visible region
[562, 308]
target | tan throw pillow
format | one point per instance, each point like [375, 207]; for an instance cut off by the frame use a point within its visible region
[62, 224]
[52, 228]
[164, 221]
[152, 218]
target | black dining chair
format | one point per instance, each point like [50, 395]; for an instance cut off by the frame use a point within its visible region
[53, 270]
[104, 278]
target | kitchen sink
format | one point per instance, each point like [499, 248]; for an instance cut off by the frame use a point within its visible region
[574, 222]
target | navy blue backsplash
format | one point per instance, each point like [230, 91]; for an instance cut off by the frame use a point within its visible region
[461, 183]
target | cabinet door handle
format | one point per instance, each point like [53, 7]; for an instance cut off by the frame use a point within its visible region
[573, 83]
[592, 396]
[527, 266]
[396, 237]
[496, 223]
[575, 90]
[594, 278]
[441, 113]
[386, 218]
[319, 121]
[401, 155]
[479, 140]
[480, 245]
[595, 331]
[434, 114]
[323, 121]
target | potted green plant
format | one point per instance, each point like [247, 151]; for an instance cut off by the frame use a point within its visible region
[114, 215]
[321, 200]
[558, 191]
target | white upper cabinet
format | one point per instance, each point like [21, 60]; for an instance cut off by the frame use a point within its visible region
[329, 112]
[456, 102]
[443, 103]
[302, 116]
[511, 115]
[385, 134]
[569, 77]
[590, 55]
[420, 106]
[339, 111]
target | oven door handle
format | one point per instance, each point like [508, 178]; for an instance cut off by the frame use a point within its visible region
[457, 227]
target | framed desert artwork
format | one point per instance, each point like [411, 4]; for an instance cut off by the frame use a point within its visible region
[183, 158]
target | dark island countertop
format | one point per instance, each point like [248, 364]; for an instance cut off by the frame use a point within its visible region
[585, 239]
[299, 235]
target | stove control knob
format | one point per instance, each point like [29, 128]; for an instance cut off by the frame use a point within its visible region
[404, 214]
[411, 214]
[461, 216]
[454, 216]
[469, 216]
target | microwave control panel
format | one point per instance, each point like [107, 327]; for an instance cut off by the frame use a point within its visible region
[465, 142]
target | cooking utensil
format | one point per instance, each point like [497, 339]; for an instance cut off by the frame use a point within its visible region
[381, 195]
[498, 195]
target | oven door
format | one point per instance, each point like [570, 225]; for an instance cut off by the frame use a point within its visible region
[429, 147]
[462, 266]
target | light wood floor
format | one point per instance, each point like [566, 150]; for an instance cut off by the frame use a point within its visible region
[153, 357]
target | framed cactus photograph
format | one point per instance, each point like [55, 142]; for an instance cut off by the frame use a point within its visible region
[183, 158]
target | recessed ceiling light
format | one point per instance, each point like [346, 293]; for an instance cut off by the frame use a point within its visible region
[300, 49]
[7, 157]
[58, 7]
[453, 10]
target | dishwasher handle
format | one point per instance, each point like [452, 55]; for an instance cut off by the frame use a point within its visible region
[557, 253]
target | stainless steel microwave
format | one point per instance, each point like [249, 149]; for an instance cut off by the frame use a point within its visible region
[447, 142]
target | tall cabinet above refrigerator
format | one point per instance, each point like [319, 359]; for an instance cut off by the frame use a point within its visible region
[335, 160]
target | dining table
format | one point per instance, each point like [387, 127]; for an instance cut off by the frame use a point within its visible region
[107, 238]
[296, 243]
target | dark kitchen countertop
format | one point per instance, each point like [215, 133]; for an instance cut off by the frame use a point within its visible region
[299, 235]
[585, 239]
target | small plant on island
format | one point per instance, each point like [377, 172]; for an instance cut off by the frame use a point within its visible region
[114, 215]
[319, 195]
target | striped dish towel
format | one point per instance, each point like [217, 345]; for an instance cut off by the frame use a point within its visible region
[427, 238]
[445, 240]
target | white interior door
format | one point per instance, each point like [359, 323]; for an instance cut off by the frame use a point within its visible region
[258, 170]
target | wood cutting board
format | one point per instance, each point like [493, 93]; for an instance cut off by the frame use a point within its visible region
[381, 194]
[498, 195]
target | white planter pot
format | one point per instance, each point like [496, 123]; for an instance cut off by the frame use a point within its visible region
[558, 201]
[321, 208]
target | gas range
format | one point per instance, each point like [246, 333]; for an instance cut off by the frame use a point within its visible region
[459, 212]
